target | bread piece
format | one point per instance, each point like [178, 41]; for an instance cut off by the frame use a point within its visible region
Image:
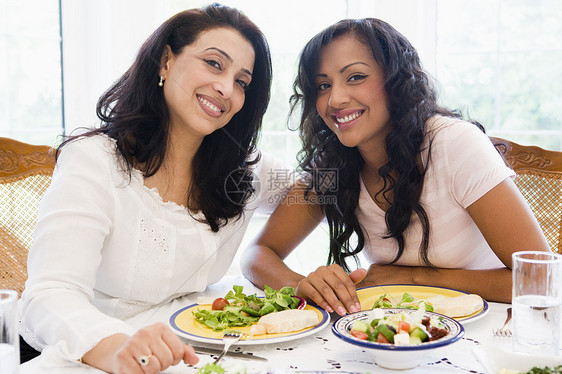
[258, 330]
[436, 299]
[288, 320]
[459, 306]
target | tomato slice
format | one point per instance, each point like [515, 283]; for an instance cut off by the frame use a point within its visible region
[404, 326]
[382, 339]
[359, 334]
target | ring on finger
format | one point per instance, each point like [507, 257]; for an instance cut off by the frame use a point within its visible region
[144, 359]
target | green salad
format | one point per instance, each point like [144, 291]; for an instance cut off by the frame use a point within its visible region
[403, 328]
[237, 309]
[211, 368]
[545, 370]
[407, 302]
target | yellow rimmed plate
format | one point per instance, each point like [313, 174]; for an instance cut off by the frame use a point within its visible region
[184, 324]
[394, 292]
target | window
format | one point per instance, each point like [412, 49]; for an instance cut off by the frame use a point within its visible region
[501, 61]
[30, 60]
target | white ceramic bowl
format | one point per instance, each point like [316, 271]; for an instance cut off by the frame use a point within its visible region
[391, 356]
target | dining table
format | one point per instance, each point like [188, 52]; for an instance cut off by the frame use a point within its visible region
[320, 352]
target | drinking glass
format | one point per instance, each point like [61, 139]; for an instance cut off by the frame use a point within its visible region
[9, 335]
[537, 301]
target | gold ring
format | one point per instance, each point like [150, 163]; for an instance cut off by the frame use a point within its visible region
[144, 360]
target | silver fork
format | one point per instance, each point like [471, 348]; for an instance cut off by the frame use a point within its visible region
[228, 338]
[504, 331]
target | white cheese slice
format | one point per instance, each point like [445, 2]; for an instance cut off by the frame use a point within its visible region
[402, 338]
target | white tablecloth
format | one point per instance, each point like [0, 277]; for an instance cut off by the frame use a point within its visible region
[320, 352]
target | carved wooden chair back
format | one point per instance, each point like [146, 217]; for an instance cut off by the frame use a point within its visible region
[539, 177]
[25, 174]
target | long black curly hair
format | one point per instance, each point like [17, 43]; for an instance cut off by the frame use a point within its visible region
[134, 113]
[412, 101]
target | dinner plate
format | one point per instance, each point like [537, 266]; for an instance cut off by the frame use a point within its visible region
[183, 322]
[394, 292]
[495, 359]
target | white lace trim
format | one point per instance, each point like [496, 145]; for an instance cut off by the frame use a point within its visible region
[155, 195]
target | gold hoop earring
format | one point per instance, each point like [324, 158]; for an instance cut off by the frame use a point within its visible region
[161, 83]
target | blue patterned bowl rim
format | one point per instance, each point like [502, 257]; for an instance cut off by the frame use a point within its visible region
[341, 328]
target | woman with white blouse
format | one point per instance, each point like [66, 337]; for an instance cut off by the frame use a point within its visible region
[153, 204]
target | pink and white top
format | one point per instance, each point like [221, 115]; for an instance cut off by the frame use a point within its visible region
[463, 167]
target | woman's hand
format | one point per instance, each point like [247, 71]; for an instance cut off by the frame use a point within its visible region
[152, 349]
[332, 289]
[157, 343]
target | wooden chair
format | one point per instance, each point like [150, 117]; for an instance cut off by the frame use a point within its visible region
[539, 177]
[25, 174]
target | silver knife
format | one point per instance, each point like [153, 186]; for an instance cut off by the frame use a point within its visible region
[212, 351]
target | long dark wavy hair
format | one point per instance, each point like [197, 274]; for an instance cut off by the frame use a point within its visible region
[134, 113]
[412, 101]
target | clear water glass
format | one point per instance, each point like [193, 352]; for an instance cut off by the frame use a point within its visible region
[537, 302]
[9, 335]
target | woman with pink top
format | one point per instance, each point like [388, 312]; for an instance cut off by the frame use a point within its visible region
[409, 184]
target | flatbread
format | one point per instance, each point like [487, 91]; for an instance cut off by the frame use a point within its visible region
[435, 299]
[459, 306]
[288, 320]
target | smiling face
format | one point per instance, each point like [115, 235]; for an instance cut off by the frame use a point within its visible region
[351, 97]
[205, 84]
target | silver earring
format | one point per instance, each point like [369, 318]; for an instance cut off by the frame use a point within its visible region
[161, 83]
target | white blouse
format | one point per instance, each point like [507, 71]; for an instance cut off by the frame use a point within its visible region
[107, 248]
[463, 167]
